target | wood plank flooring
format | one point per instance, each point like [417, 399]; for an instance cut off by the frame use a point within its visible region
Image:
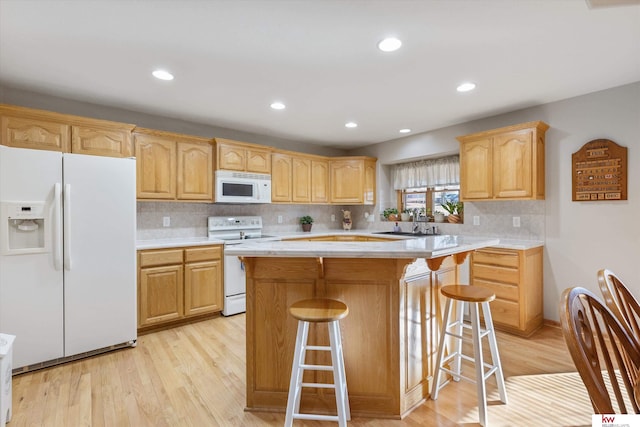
[194, 375]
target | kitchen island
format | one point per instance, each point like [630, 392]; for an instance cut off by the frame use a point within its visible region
[389, 337]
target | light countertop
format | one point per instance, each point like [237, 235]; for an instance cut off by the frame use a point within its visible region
[201, 241]
[419, 247]
[176, 242]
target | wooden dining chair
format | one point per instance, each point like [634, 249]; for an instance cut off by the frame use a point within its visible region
[602, 350]
[620, 301]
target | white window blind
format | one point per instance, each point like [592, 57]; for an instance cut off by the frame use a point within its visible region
[427, 173]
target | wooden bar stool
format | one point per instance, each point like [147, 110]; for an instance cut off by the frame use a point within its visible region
[475, 297]
[318, 311]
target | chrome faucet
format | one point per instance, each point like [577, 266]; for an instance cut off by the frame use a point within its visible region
[416, 226]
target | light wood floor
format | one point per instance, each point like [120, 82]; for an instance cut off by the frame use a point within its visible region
[194, 376]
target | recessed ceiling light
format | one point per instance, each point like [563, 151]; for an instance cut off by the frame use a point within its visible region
[389, 44]
[405, 130]
[351, 125]
[466, 87]
[162, 75]
[278, 106]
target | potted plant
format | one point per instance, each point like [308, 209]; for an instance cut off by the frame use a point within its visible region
[455, 210]
[406, 215]
[306, 222]
[390, 214]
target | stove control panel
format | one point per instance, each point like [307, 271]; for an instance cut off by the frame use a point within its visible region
[222, 223]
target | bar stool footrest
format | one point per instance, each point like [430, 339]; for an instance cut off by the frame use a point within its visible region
[318, 347]
[318, 385]
[315, 417]
[317, 367]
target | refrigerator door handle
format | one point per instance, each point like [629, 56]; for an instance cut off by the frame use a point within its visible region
[67, 226]
[57, 227]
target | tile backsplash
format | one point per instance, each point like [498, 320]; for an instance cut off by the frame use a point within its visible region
[190, 219]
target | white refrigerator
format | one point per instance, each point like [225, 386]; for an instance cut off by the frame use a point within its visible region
[67, 253]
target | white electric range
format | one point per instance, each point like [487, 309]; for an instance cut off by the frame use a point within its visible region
[235, 230]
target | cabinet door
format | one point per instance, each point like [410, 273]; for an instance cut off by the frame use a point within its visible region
[319, 181]
[156, 167]
[301, 180]
[161, 295]
[258, 161]
[35, 134]
[202, 288]
[195, 171]
[476, 175]
[512, 162]
[347, 180]
[231, 157]
[370, 183]
[101, 142]
[281, 178]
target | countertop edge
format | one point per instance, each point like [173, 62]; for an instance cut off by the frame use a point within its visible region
[515, 244]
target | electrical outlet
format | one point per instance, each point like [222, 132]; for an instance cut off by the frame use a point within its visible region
[476, 220]
[516, 221]
[333, 218]
[279, 219]
[166, 221]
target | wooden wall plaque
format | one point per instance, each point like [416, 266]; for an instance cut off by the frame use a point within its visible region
[600, 171]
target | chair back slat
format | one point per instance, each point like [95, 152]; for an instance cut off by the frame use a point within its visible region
[604, 353]
[620, 301]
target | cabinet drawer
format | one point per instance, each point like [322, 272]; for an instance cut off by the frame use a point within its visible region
[495, 273]
[205, 253]
[502, 257]
[160, 257]
[502, 290]
[505, 312]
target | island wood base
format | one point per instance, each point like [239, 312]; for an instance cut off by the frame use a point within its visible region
[390, 336]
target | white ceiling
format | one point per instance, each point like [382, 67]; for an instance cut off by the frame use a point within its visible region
[231, 59]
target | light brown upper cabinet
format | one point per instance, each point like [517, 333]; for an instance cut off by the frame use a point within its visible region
[319, 180]
[299, 178]
[353, 180]
[173, 167]
[503, 164]
[241, 156]
[301, 182]
[281, 178]
[45, 130]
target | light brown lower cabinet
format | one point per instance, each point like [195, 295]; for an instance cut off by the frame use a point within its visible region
[516, 278]
[177, 284]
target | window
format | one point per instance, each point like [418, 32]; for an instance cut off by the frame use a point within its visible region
[426, 184]
[429, 200]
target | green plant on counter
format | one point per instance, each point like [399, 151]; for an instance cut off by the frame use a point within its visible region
[389, 211]
[306, 220]
[452, 207]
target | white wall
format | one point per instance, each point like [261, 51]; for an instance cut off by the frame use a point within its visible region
[580, 237]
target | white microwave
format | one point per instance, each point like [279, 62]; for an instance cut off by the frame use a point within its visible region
[242, 187]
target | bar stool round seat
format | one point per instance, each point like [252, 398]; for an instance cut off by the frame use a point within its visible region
[468, 293]
[474, 297]
[318, 310]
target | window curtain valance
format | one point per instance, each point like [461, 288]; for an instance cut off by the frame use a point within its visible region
[427, 173]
